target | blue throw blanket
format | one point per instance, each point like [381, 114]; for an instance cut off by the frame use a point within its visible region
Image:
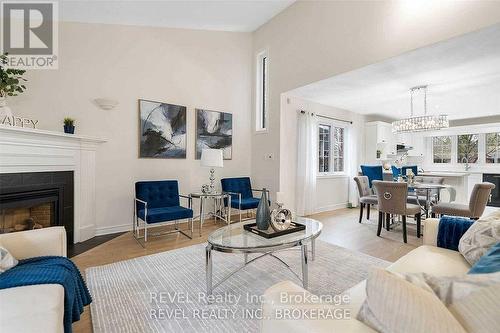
[52, 270]
[451, 229]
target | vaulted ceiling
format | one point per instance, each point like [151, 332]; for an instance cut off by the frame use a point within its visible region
[221, 15]
[463, 75]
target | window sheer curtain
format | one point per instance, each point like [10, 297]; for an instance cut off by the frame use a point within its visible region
[354, 143]
[307, 163]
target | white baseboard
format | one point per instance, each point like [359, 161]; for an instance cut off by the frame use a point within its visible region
[113, 229]
[331, 207]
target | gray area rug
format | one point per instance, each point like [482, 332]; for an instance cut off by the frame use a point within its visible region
[165, 292]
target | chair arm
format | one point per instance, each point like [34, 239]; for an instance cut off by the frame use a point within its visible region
[233, 193]
[431, 228]
[142, 201]
[35, 243]
[190, 199]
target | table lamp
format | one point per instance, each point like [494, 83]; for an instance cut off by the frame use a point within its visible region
[212, 158]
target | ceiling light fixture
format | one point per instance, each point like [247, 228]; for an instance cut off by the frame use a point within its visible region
[420, 123]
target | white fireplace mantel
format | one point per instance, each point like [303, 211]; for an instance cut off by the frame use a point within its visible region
[33, 150]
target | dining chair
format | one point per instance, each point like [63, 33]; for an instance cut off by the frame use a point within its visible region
[477, 203]
[366, 198]
[392, 199]
[402, 171]
[421, 195]
[373, 172]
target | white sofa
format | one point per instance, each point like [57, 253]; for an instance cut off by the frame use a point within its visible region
[427, 258]
[37, 308]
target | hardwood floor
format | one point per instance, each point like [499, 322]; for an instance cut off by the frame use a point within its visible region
[340, 227]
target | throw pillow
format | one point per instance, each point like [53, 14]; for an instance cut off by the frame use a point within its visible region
[395, 305]
[478, 312]
[7, 261]
[480, 237]
[473, 300]
[489, 263]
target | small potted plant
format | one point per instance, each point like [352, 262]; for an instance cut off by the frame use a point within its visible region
[69, 125]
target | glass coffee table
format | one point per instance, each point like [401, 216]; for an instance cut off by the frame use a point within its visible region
[234, 239]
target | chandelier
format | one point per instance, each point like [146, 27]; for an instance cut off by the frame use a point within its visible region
[420, 123]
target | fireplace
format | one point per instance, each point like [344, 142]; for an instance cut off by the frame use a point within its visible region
[36, 200]
[495, 193]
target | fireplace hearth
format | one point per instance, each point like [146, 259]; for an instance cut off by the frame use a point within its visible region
[34, 200]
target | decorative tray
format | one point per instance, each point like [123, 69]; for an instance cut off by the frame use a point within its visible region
[271, 233]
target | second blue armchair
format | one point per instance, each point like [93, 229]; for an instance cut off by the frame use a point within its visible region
[241, 193]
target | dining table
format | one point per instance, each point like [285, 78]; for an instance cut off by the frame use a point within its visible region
[428, 189]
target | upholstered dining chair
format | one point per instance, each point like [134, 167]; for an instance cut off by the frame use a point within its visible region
[157, 202]
[396, 171]
[422, 194]
[366, 198]
[373, 172]
[477, 203]
[392, 199]
[241, 192]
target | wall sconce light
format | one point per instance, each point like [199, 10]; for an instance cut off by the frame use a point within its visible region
[106, 104]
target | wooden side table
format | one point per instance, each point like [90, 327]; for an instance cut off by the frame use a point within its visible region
[219, 211]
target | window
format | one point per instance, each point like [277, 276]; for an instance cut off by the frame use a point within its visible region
[261, 92]
[467, 148]
[493, 148]
[330, 148]
[324, 148]
[441, 149]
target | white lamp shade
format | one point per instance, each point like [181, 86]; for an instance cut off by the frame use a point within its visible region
[212, 158]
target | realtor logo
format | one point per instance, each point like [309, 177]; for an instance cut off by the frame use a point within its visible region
[29, 34]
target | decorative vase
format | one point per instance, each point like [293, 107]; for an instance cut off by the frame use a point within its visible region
[263, 215]
[4, 109]
[69, 129]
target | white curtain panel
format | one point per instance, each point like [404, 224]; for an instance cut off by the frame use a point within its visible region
[307, 164]
[354, 144]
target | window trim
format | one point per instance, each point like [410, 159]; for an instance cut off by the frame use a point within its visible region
[485, 145]
[262, 92]
[451, 152]
[332, 124]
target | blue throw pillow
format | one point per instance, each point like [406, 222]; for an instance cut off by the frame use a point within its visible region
[489, 263]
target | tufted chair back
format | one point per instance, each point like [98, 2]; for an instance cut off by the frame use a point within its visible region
[479, 198]
[391, 196]
[163, 193]
[429, 180]
[363, 186]
[373, 172]
[238, 185]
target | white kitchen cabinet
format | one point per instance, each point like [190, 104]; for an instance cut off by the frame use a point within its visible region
[378, 136]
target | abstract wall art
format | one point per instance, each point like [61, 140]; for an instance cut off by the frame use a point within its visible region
[162, 130]
[214, 130]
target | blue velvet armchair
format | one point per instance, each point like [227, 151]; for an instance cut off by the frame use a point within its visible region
[241, 193]
[157, 202]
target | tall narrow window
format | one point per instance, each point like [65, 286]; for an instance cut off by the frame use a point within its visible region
[467, 148]
[493, 148]
[324, 148]
[441, 149]
[261, 92]
[331, 143]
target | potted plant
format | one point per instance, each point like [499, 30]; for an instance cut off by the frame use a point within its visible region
[11, 84]
[69, 125]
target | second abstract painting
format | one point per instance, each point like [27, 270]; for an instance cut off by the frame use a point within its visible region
[214, 130]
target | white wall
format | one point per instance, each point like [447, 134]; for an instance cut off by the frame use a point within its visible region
[332, 192]
[314, 40]
[193, 68]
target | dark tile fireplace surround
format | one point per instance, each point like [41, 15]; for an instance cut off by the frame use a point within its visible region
[36, 200]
